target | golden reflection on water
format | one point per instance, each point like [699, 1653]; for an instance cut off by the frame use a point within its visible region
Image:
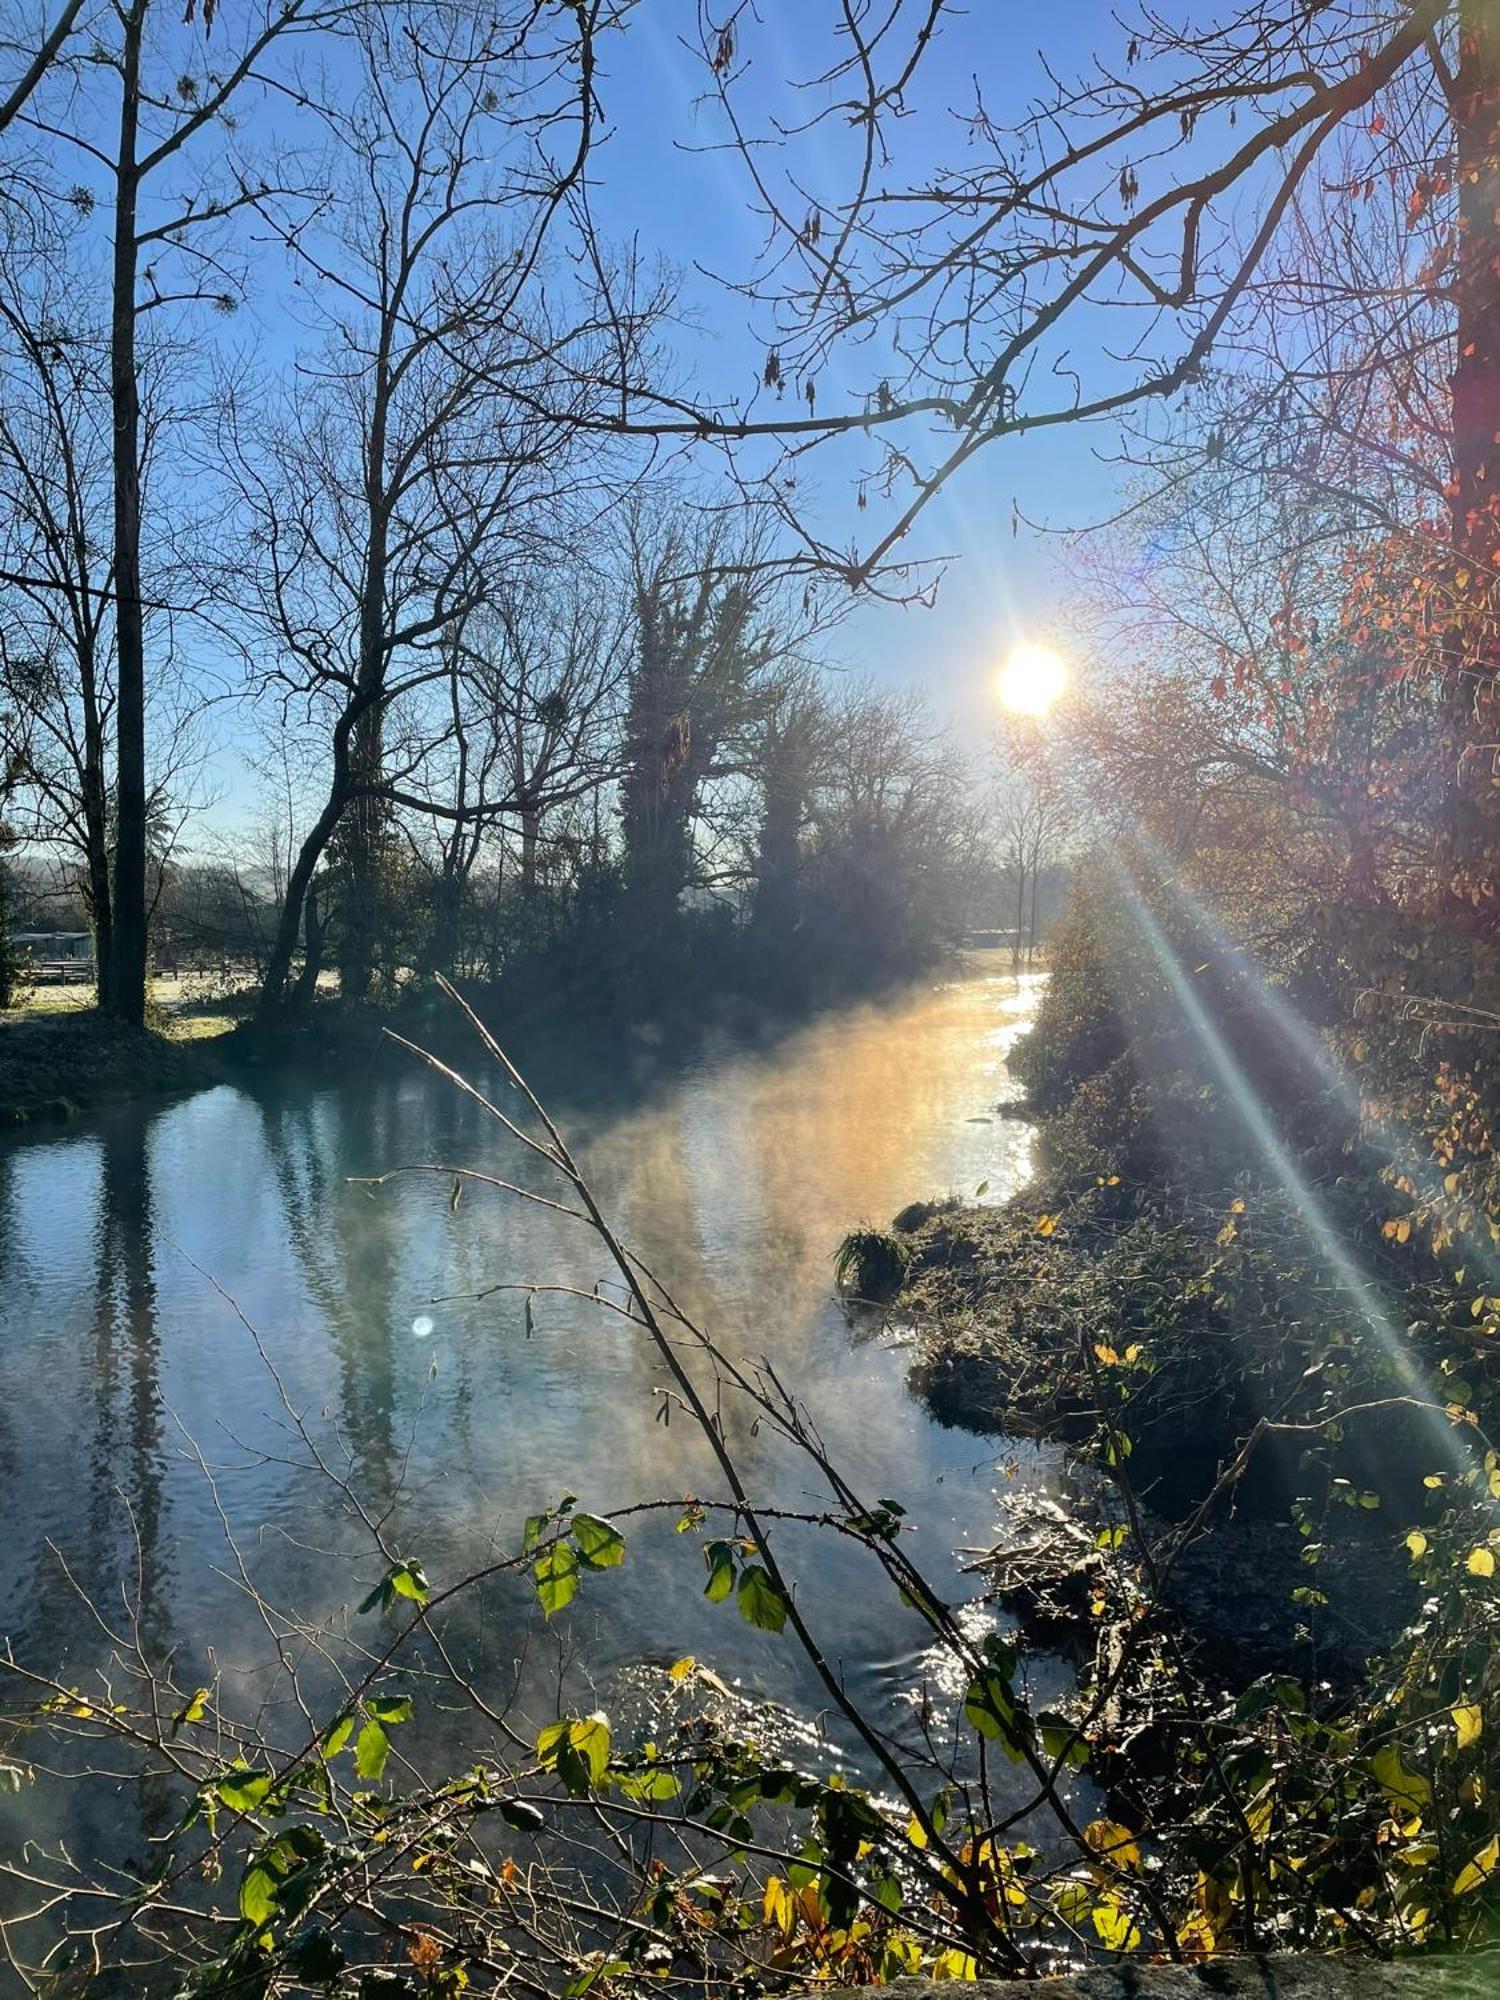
[734, 1176]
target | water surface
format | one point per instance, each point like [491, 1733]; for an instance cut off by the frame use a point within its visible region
[139, 1413]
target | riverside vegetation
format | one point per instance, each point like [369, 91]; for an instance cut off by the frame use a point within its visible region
[1159, 1809]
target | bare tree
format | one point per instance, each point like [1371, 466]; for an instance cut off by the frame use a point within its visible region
[425, 452]
[148, 124]
[57, 648]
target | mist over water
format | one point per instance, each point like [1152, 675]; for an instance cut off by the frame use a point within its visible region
[134, 1404]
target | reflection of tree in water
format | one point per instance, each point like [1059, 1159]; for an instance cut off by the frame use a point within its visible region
[126, 1454]
[126, 1555]
[10, 1240]
[351, 1248]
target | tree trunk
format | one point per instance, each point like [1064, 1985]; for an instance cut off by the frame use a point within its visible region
[777, 863]
[1015, 949]
[284, 945]
[96, 841]
[127, 952]
[363, 840]
[312, 952]
[1475, 100]
[531, 826]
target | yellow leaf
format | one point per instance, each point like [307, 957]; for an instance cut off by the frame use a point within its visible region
[1115, 1928]
[778, 1906]
[1196, 1936]
[1407, 1790]
[1106, 1354]
[1468, 1720]
[1416, 1544]
[1433, 1480]
[1045, 1224]
[1113, 1842]
[916, 1833]
[1481, 1562]
[1479, 1869]
[954, 1964]
[680, 1669]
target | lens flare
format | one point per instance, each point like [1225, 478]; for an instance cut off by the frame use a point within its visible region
[1031, 681]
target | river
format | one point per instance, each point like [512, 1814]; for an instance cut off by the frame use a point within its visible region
[140, 1419]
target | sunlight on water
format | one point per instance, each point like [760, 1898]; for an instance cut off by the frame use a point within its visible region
[734, 1176]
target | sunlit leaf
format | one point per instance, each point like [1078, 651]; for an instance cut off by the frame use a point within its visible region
[760, 1599]
[371, 1749]
[556, 1573]
[1404, 1788]
[1480, 1869]
[600, 1542]
[1113, 1843]
[1117, 1930]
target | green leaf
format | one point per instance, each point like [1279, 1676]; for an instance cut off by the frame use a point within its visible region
[556, 1574]
[720, 1559]
[408, 1580]
[577, 1748]
[282, 1875]
[389, 1708]
[315, 1954]
[760, 1599]
[1478, 1871]
[536, 1526]
[371, 1749]
[338, 1736]
[649, 1787]
[1116, 1928]
[599, 1542]
[1061, 1739]
[888, 1889]
[244, 1790]
[258, 1895]
[990, 1706]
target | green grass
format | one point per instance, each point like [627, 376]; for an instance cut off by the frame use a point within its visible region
[180, 1010]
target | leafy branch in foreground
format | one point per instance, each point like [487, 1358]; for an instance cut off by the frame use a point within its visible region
[333, 1840]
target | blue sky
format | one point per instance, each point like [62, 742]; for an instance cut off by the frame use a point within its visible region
[657, 178]
[661, 181]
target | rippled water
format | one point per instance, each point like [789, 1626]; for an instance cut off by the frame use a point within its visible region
[138, 1414]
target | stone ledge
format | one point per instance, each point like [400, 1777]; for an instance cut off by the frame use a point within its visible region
[1295, 1978]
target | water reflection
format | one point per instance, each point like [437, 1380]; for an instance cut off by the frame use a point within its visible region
[734, 1176]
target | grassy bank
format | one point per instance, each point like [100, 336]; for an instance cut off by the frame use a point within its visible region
[1255, 1308]
[58, 1063]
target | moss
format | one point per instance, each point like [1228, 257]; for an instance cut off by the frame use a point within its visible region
[58, 1065]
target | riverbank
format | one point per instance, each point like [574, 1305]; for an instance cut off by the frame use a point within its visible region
[1252, 1286]
[59, 1057]
[58, 1065]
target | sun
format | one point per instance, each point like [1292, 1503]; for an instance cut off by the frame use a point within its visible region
[1032, 679]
